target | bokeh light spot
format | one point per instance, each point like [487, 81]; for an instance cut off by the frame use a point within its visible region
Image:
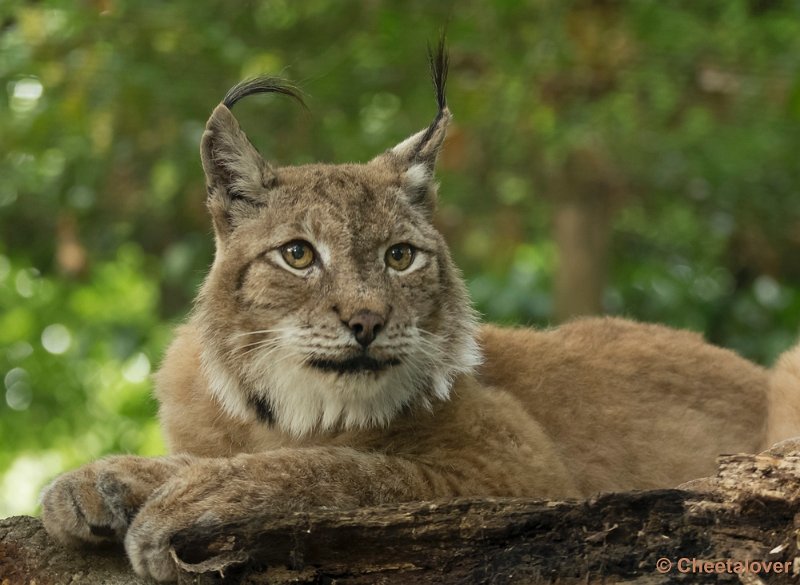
[56, 338]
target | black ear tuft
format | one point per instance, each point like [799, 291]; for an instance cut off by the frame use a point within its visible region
[262, 84]
[439, 61]
[440, 66]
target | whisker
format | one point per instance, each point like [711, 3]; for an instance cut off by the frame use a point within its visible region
[261, 342]
[268, 344]
[275, 330]
[269, 351]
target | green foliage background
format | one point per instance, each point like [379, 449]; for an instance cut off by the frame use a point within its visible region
[693, 105]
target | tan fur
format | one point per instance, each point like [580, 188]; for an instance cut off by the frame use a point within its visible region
[783, 404]
[625, 405]
[269, 403]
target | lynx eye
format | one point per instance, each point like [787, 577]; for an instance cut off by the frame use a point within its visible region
[298, 254]
[400, 256]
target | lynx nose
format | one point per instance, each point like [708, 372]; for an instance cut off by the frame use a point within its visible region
[365, 325]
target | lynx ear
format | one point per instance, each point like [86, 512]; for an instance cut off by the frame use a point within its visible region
[236, 174]
[237, 177]
[415, 157]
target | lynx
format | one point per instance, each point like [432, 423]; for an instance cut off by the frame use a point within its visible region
[333, 359]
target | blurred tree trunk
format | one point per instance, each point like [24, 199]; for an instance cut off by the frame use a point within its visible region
[582, 234]
[71, 257]
[586, 195]
[588, 187]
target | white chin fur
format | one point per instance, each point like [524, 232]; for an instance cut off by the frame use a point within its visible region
[305, 400]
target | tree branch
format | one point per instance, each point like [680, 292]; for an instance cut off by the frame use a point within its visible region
[749, 512]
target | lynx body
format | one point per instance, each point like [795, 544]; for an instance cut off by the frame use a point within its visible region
[333, 359]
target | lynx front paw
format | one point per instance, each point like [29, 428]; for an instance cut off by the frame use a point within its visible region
[178, 505]
[200, 499]
[97, 502]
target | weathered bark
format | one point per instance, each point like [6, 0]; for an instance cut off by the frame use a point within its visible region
[749, 512]
[29, 557]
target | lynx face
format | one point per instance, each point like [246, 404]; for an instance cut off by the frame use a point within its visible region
[332, 302]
